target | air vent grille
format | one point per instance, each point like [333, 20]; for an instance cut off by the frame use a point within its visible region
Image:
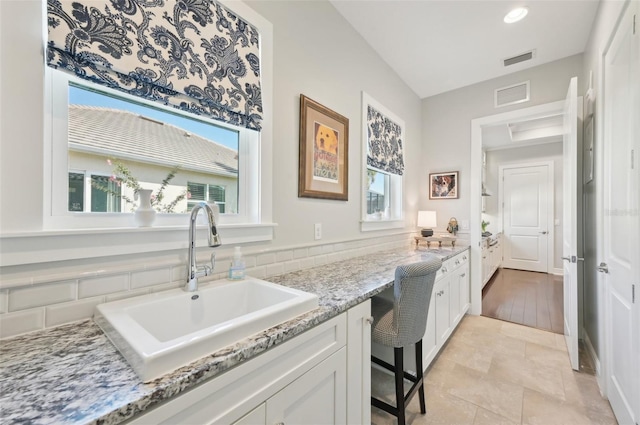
[511, 95]
[520, 58]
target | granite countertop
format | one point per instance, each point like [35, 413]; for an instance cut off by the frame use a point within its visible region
[72, 374]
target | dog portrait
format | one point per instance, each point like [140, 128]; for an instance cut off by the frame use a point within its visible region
[443, 185]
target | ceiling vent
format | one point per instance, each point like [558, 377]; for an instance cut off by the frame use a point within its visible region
[511, 95]
[520, 58]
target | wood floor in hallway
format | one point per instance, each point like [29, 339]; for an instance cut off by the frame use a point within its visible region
[527, 298]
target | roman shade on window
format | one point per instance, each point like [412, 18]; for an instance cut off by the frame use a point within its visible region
[384, 138]
[195, 55]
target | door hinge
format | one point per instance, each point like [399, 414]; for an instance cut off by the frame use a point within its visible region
[633, 293]
[634, 31]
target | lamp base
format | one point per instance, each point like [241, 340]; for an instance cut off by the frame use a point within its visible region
[427, 232]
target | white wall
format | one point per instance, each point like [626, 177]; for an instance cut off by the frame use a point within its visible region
[546, 152]
[446, 125]
[331, 64]
[609, 12]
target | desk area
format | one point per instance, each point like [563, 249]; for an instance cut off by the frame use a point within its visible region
[448, 240]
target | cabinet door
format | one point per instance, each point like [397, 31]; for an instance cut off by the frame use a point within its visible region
[441, 294]
[317, 397]
[429, 340]
[463, 283]
[454, 298]
[359, 364]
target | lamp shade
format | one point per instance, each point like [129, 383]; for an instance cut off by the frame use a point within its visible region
[427, 219]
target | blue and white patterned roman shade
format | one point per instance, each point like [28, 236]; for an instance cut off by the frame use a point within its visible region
[384, 143]
[195, 55]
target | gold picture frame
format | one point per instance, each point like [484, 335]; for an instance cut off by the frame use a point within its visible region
[444, 185]
[324, 152]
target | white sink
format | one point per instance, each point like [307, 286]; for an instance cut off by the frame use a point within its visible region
[158, 333]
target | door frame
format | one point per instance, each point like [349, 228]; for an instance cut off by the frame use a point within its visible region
[519, 115]
[550, 204]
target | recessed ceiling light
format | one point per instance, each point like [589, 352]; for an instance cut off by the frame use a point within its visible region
[516, 14]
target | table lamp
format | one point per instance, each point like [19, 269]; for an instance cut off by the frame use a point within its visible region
[427, 220]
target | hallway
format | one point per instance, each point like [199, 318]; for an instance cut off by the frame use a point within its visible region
[527, 298]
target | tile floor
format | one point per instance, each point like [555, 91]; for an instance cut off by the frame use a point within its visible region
[493, 372]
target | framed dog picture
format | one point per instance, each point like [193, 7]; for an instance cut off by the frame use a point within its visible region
[443, 185]
[324, 147]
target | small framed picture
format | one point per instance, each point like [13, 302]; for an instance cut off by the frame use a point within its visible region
[443, 185]
[324, 147]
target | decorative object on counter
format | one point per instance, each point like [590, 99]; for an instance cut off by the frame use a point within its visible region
[144, 215]
[439, 239]
[484, 225]
[452, 227]
[443, 185]
[427, 220]
[402, 323]
[237, 269]
[324, 152]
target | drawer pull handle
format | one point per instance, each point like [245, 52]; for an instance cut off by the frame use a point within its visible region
[444, 270]
[463, 275]
[369, 320]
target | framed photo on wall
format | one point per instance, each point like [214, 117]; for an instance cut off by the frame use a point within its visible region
[443, 185]
[324, 152]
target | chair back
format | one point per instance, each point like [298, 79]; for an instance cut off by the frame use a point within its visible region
[412, 291]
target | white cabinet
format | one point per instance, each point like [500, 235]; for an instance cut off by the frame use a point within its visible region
[317, 377]
[317, 397]
[448, 304]
[491, 258]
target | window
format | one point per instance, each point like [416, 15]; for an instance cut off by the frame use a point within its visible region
[198, 192]
[109, 144]
[383, 164]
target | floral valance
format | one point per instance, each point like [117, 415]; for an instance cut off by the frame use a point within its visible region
[384, 147]
[195, 55]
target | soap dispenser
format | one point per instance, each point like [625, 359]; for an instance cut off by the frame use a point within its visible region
[237, 269]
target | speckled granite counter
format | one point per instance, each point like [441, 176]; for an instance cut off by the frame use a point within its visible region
[73, 375]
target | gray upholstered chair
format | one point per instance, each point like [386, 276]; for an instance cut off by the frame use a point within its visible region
[401, 323]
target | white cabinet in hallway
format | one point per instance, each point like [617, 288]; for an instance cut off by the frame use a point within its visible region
[491, 258]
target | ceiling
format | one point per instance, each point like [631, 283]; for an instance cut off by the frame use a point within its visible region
[440, 45]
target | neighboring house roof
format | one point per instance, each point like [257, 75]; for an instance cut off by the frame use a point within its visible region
[126, 135]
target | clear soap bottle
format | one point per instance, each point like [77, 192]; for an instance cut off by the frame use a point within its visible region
[237, 269]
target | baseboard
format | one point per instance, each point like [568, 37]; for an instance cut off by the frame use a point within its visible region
[557, 272]
[596, 362]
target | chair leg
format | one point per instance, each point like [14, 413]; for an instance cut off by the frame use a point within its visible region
[419, 376]
[399, 374]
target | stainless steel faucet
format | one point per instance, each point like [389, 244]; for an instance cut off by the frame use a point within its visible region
[194, 272]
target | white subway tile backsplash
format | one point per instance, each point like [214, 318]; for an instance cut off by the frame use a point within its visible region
[268, 258]
[41, 295]
[316, 250]
[283, 256]
[60, 314]
[102, 285]
[300, 253]
[222, 266]
[128, 294]
[320, 260]
[275, 269]
[292, 266]
[146, 278]
[307, 263]
[178, 273]
[259, 272]
[250, 261]
[3, 302]
[165, 287]
[327, 249]
[12, 324]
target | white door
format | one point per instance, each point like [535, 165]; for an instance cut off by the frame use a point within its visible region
[317, 397]
[525, 216]
[570, 220]
[620, 222]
